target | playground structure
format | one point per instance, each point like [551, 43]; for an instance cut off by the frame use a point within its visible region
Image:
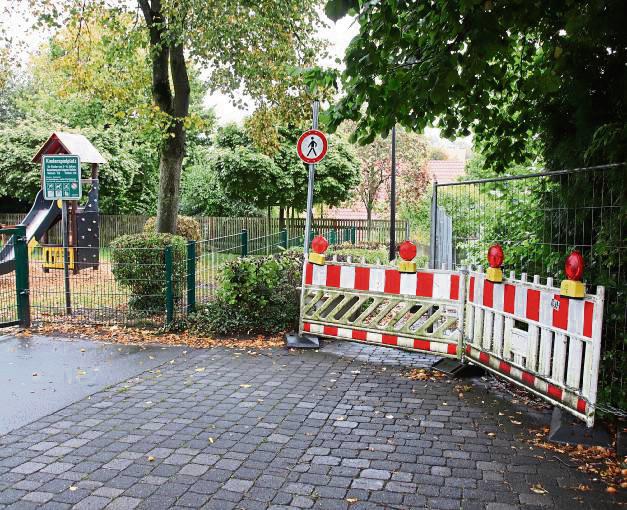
[83, 221]
[537, 336]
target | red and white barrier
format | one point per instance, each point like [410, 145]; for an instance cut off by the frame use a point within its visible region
[417, 311]
[438, 285]
[531, 335]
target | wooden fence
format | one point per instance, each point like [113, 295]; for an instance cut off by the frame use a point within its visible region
[112, 226]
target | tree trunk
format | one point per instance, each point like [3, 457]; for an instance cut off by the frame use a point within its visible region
[170, 92]
[170, 163]
[369, 220]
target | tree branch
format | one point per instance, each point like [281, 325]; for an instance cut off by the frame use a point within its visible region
[161, 93]
[180, 79]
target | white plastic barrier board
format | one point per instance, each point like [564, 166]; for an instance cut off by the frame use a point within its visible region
[530, 335]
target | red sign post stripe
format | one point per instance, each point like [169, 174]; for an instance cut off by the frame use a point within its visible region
[488, 294]
[362, 278]
[560, 314]
[330, 330]
[588, 312]
[533, 305]
[423, 345]
[392, 281]
[357, 334]
[471, 290]
[454, 295]
[424, 284]
[333, 275]
[309, 274]
[509, 298]
[389, 339]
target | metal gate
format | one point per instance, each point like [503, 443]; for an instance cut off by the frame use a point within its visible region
[14, 298]
[420, 311]
[530, 335]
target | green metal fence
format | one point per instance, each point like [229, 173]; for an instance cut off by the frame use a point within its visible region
[129, 286]
[14, 292]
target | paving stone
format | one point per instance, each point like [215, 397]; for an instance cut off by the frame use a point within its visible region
[294, 440]
[123, 503]
[193, 470]
[378, 474]
[92, 503]
[237, 485]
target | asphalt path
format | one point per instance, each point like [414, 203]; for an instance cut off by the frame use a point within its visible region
[40, 375]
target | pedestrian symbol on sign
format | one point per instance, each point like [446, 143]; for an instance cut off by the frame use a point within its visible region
[312, 146]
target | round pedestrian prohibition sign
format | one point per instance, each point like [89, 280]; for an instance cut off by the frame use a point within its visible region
[312, 146]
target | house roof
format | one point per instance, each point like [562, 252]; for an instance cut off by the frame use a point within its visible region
[447, 170]
[70, 143]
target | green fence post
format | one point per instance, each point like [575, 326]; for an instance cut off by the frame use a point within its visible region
[332, 237]
[21, 277]
[191, 276]
[244, 242]
[347, 235]
[353, 235]
[283, 238]
[169, 290]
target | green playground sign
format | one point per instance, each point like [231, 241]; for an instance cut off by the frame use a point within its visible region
[62, 177]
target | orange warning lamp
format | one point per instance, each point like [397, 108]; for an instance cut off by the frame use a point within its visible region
[407, 251]
[494, 273]
[319, 245]
[573, 287]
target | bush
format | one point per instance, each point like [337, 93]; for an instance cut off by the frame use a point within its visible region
[370, 251]
[186, 227]
[138, 262]
[255, 295]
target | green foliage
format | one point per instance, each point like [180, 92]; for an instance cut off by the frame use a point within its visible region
[255, 295]
[127, 180]
[248, 176]
[521, 75]
[186, 227]
[236, 173]
[201, 194]
[138, 263]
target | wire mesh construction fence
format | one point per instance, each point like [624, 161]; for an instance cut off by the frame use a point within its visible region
[538, 219]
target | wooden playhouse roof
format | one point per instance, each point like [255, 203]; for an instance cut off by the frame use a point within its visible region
[70, 143]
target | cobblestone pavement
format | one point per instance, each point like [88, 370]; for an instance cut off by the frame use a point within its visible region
[225, 429]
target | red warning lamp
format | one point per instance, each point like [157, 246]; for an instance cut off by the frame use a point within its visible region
[494, 273]
[319, 245]
[573, 287]
[495, 255]
[407, 251]
[574, 266]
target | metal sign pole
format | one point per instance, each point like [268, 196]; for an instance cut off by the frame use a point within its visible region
[393, 199]
[310, 188]
[66, 261]
[299, 340]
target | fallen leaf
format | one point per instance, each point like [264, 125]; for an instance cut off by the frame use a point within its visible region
[73, 488]
[151, 458]
[244, 385]
[352, 500]
[211, 440]
[201, 369]
[610, 489]
[538, 489]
